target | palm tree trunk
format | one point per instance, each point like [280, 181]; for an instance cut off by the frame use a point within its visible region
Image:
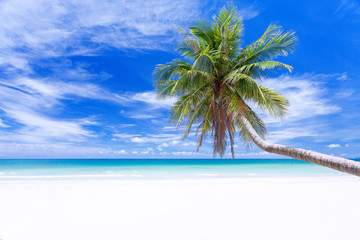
[337, 163]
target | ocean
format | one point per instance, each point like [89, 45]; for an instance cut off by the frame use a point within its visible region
[132, 169]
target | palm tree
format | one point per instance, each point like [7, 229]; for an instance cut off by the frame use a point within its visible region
[219, 80]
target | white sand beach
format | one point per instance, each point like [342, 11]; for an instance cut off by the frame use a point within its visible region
[226, 209]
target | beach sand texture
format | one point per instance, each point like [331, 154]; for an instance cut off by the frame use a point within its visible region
[188, 209]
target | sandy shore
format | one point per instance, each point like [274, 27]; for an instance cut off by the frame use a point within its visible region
[226, 209]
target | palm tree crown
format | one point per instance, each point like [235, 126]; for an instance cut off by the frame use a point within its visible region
[219, 80]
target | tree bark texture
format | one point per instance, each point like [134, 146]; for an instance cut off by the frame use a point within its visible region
[337, 163]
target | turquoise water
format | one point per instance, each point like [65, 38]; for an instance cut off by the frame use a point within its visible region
[59, 169]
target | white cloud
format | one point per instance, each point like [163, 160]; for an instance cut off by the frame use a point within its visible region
[35, 124]
[138, 140]
[126, 125]
[288, 133]
[52, 89]
[164, 145]
[349, 6]
[184, 153]
[345, 93]
[2, 124]
[148, 151]
[334, 145]
[256, 155]
[147, 105]
[343, 77]
[164, 139]
[309, 99]
[40, 28]
[125, 135]
[151, 99]
[27, 103]
[174, 142]
[43, 126]
[190, 143]
[139, 115]
[248, 12]
[305, 94]
[168, 144]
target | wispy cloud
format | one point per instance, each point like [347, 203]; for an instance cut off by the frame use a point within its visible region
[305, 94]
[309, 99]
[39, 29]
[168, 138]
[2, 124]
[151, 99]
[249, 12]
[287, 133]
[349, 6]
[255, 155]
[125, 135]
[334, 145]
[29, 103]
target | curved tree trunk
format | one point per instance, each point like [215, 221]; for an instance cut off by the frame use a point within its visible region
[337, 163]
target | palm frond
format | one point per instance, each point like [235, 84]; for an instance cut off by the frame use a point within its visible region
[263, 69]
[203, 31]
[272, 44]
[246, 86]
[213, 91]
[189, 47]
[228, 31]
[238, 107]
[187, 103]
[279, 45]
[205, 63]
[274, 104]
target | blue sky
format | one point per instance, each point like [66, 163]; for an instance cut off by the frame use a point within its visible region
[76, 77]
